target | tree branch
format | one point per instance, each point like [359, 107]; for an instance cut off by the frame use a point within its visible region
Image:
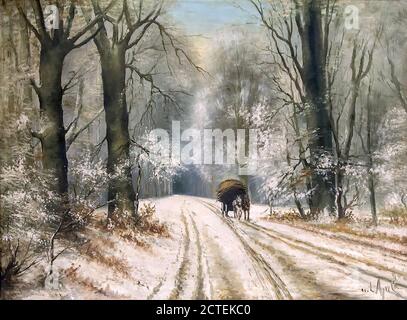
[29, 24]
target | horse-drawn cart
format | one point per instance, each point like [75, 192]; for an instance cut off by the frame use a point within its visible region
[233, 196]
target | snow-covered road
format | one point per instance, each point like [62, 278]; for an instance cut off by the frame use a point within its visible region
[221, 258]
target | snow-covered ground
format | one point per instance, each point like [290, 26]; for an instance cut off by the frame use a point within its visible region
[210, 257]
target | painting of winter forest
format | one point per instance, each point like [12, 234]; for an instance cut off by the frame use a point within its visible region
[203, 150]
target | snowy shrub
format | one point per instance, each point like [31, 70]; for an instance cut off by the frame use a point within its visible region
[88, 179]
[98, 253]
[391, 158]
[17, 257]
[148, 222]
[34, 218]
[87, 176]
[25, 216]
[396, 215]
[286, 216]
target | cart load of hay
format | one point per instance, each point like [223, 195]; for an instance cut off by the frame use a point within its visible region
[228, 191]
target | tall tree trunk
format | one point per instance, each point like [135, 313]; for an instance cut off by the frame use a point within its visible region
[138, 187]
[372, 191]
[294, 188]
[302, 157]
[371, 179]
[112, 50]
[121, 193]
[318, 122]
[53, 133]
[55, 45]
[340, 193]
[25, 58]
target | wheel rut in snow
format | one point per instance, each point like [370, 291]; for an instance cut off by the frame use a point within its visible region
[181, 275]
[329, 255]
[199, 289]
[267, 276]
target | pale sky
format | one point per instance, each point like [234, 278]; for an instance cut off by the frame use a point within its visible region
[206, 16]
[209, 19]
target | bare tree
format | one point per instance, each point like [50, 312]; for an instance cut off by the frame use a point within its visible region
[128, 30]
[361, 64]
[368, 149]
[305, 28]
[55, 45]
[396, 85]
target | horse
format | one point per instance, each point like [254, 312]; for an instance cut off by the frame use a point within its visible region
[242, 204]
[233, 196]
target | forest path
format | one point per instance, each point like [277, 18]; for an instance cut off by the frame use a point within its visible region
[213, 260]
[222, 258]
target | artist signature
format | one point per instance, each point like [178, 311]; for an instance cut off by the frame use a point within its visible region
[383, 287]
